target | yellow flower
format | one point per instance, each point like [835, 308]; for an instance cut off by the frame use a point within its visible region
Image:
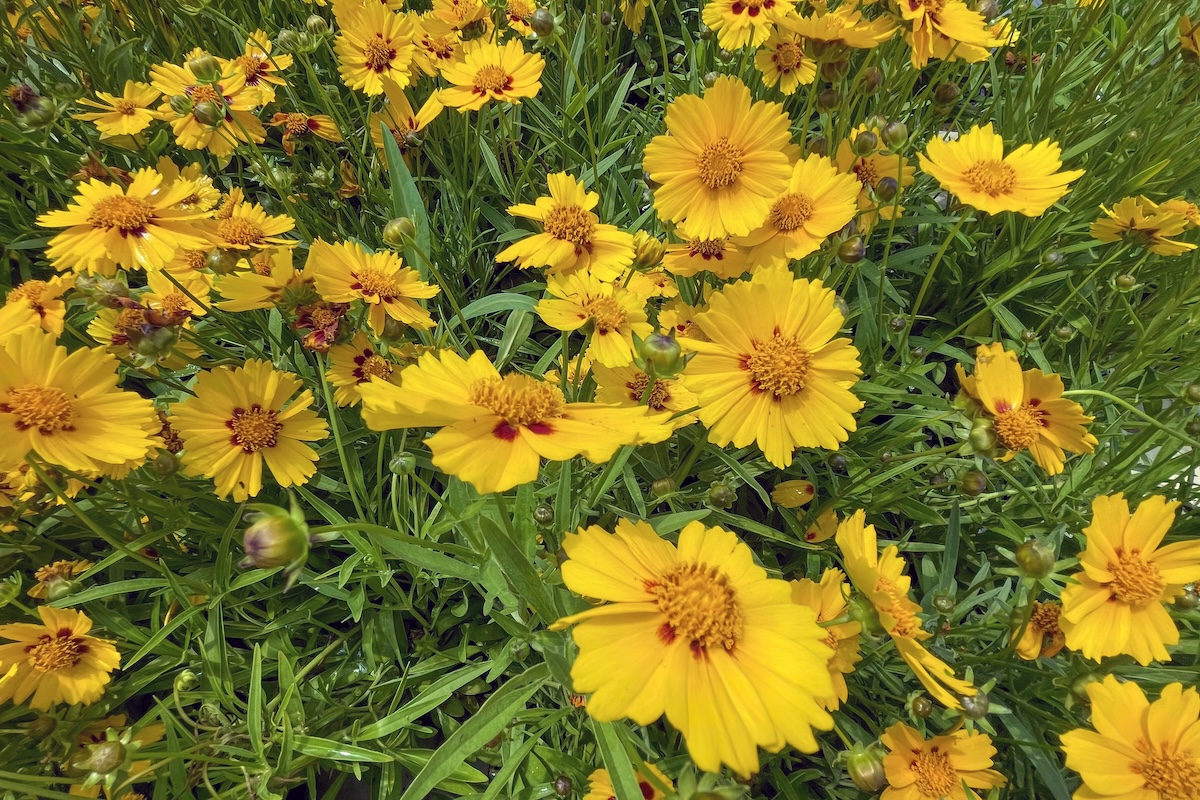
[1188, 210]
[1117, 605]
[439, 44]
[266, 285]
[297, 125]
[178, 296]
[495, 430]
[125, 115]
[60, 572]
[818, 200]
[138, 227]
[723, 161]
[572, 238]
[375, 44]
[1043, 625]
[824, 528]
[38, 303]
[1139, 750]
[741, 22]
[843, 27]
[625, 386]
[249, 227]
[355, 363]
[600, 785]
[771, 372]
[238, 418]
[1144, 223]
[651, 283]
[634, 13]
[792, 494]
[489, 71]
[205, 196]
[345, 272]
[827, 599]
[56, 661]
[936, 769]
[461, 14]
[870, 169]
[949, 29]
[1189, 35]
[699, 632]
[880, 578]
[975, 169]
[517, 14]
[720, 256]
[260, 68]
[1027, 409]
[782, 60]
[678, 316]
[398, 117]
[238, 122]
[613, 314]
[67, 407]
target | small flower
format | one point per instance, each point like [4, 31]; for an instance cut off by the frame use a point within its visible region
[37, 303]
[612, 313]
[356, 363]
[933, 769]
[375, 44]
[1043, 637]
[1189, 36]
[53, 575]
[626, 386]
[439, 44]
[782, 60]
[843, 27]
[1144, 223]
[948, 29]
[125, 115]
[235, 121]
[297, 125]
[633, 12]
[870, 169]
[250, 227]
[261, 68]
[720, 256]
[399, 119]
[517, 14]
[56, 661]
[267, 284]
[738, 23]
[345, 272]
[489, 71]
[827, 599]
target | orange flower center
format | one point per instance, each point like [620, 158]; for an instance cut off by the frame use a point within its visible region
[660, 395]
[125, 213]
[372, 282]
[175, 303]
[126, 107]
[252, 67]
[720, 164]
[378, 54]
[1045, 618]
[1174, 775]
[30, 292]
[779, 366]
[46, 408]
[254, 429]
[1135, 580]
[701, 607]
[491, 78]
[371, 364]
[521, 9]
[205, 94]
[935, 775]
[296, 124]
[52, 653]
[441, 47]
[240, 231]
[518, 399]
[322, 318]
[991, 177]
[788, 56]
[906, 622]
[790, 212]
[866, 172]
[707, 248]
[571, 223]
[1019, 428]
[605, 313]
[193, 259]
[57, 571]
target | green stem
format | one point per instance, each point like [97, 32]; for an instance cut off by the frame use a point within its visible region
[1137, 412]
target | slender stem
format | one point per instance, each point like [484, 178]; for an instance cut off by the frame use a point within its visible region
[1136, 412]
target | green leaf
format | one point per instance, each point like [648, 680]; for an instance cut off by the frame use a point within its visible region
[616, 761]
[337, 751]
[519, 571]
[407, 202]
[1048, 768]
[430, 698]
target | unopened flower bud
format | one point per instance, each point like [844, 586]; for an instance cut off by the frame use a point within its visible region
[1034, 559]
[972, 483]
[724, 56]
[944, 603]
[1029, 335]
[832, 70]
[988, 9]
[818, 145]
[154, 343]
[1191, 393]
[40, 113]
[10, 589]
[543, 514]
[205, 67]
[606, 20]
[475, 29]
[104, 758]
[710, 79]
[186, 681]
[705, 33]
[894, 134]
[659, 355]
[828, 100]
[897, 323]
[276, 538]
[208, 113]
[852, 250]
[1064, 333]
[1053, 258]
[946, 93]
[863, 611]
[865, 143]
[922, 706]
[181, 104]
[542, 22]
[837, 462]
[403, 463]
[974, 706]
[222, 262]
[648, 251]
[865, 767]
[841, 306]
[983, 436]
[887, 189]
[870, 79]
[41, 728]
[563, 786]
[721, 496]
[288, 40]
[662, 487]
[316, 25]
[399, 231]
[1189, 600]
[1125, 283]
[793, 494]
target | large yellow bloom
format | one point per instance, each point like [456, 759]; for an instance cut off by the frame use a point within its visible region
[229, 95]
[741, 22]
[496, 430]
[237, 419]
[880, 578]
[261, 68]
[723, 161]
[572, 237]
[1027, 409]
[698, 632]
[782, 60]
[1117, 605]
[819, 200]
[375, 44]
[125, 115]
[1147, 224]
[827, 599]
[771, 372]
[612, 314]
[39, 304]
[67, 407]
[138, 227]
[949, 29]
[600, 785]
[345, 272]
[975, 169]
[56, 661]
[1139, 750]
[489, 71]
[936, 769]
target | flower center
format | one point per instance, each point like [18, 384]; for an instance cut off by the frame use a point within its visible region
[371, 364]
[128, 214]
[128, 320]
[906, 622]
[935, 774]
[125, 107]
[779, 365]
[1173, 775]
[1135, 581]
[175, 303]
[296, 124]
[441, 47]
[254, 429]
[491, 78]
[605, 313]
[520, 9]
[701, 607]
[788, 56]
[866, 172]
[252, 67]
[321, 318]
[205, 94]
[518, 399]
[46, 408]
[719, 164]
[52, 653]
[372, 282]
[992, 178]
[30, 292]
[660, 395]
[1019, 428]
[571, 224]
[194, 259]
[708, 249]
[378, 54]
[791, 212]
[59, 570]
[239, 231]
[751, 8]
[1045, 618]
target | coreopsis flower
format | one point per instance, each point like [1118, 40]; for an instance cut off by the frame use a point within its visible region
[722, 162]
[827, 599]
[633, 12]
[67, 407]
[626, 386]
[125, 115]
[1189, 36]
[1117, 605]
[249, 227]
[56, 574]
[375, 44]
[178, 296]
[38, 303]
[612, 314]
[260, 68]
[517, 14]
[463, 14]
[55, 661]
[600, 785]
[824, 528]
[266, 285]
[720, 256]
[240, 417]
[792, 494]
[1142, 222]
[1027, 409]
[1185, 208]
[355, 363]
[706, 638]
[880, 578]
[651, 283]
[680, 317]
[870, 169]
[299, 126]
[323, 321]
[137, 227]
[738, 23]
[206, 195]
[819, 200]
[398, 117]
[947, 29]
[782, 60]
[1139, 750]
[490, 71]
[439, 44]
[495, 430]
[235, 121]
[975, 169]
[345, 272]
[770, 373]
[843, 27]
[937, 769]
[1043, 637]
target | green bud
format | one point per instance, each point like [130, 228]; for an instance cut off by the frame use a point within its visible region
[828, 100]
[543, 514]
[1080, 685]
[208, 113]
[41, 728]
[863, 612]
[155, 343]
[944, 603]
[659, 355]
[972, 483]
[399, 232]
[894, 134]
[721, 496]
[222, 262]
[288, 40]
[897, 323]
[662, 487]
[832, 70]
[10, 589]
[865, 767]
[1029, 335]
[1064, 333]
[165, 464]
[1132, 135]
[988, 9]
[865, 143]
[1125, 283]
[105, 757]
[403, 463]
[474, 30]
[974, 706]
[710, 78]
[1193, 427]
[705, 33]
[181, 104]
[1034, 559]
[59, 588]
[1189, 600]
[1191, 393]
[186, 681]
[983, 436]
[946, 92]
[852, 250]
[542, 22]
[648, 251]
[563, 786]
[205, 67]
[887, 189]
[922, 706]
[40, 114]
[1052, 257]
[606, 20]
[870, 79]
[316, 25]
[837, 462]
[276, 538]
